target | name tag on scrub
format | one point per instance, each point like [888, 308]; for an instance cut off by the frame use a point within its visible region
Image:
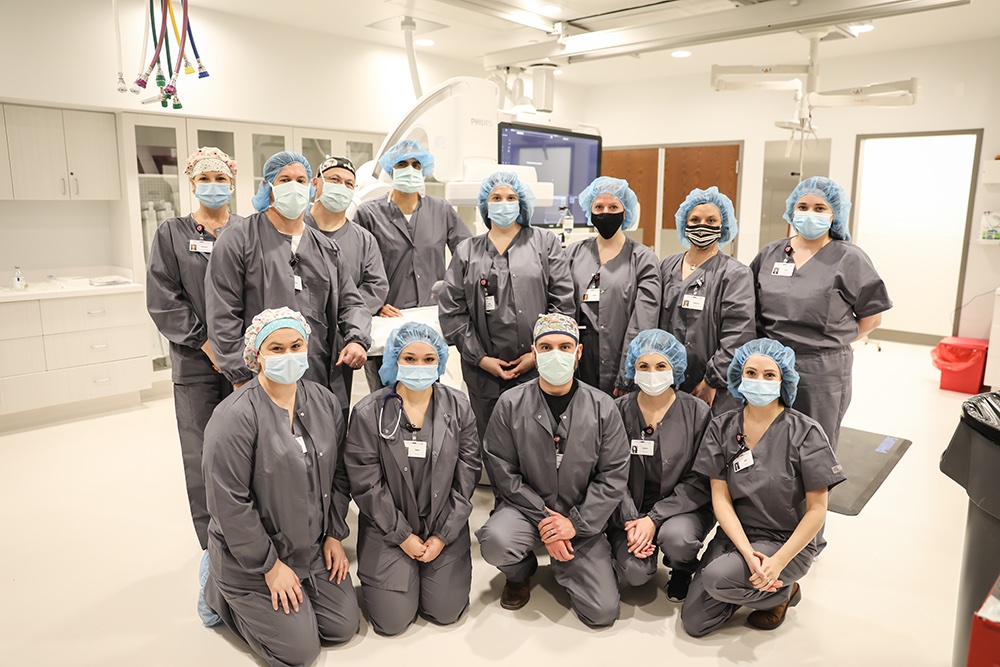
[197, 245]
[743, 461]
[491, 303]
[416, 449]
[592, 295]
[783, 269]
[298, 283]
[693, 302]
[642, 447]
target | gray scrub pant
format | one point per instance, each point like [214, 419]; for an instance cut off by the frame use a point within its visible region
[437, 591]
[507, 541]
[679, 538]
[824, 390]
[193, 406]
[328, 612]
[722, 585]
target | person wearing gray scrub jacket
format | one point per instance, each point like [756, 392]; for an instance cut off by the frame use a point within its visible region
[617, 284]
[175, 299]
[496, 287]
[708, 297]
[278, 495]
[334, 183]
[272, 259]
[817, 293]
[557, 456]
[667, 506]
[413, 460]
[771, 470]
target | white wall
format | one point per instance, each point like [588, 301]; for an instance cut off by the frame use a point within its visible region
[959, 89]
[54, 235]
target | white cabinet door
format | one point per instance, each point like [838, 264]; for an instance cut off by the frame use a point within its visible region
[37, 146]
[92, 155]
[6, 186]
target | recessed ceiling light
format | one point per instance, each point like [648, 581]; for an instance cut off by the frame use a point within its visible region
[425, 42]
[549, 10]
[860, 28]
[681, 54]
[558, 72]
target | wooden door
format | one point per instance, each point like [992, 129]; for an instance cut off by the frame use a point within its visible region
[688, 167]
[640, 167]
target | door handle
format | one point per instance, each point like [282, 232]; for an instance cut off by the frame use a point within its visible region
[76, 182]
[63, 185]
[102, 346]
[102, 381]
[95, 312]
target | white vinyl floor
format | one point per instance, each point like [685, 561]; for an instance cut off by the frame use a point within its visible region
[99, 561]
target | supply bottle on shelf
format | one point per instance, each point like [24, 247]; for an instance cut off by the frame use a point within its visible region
[19, 283]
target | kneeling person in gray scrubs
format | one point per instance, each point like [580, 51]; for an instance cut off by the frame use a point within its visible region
[771, 470]
[278, 496]
[413, 460]
[667, 506]
[557, 456]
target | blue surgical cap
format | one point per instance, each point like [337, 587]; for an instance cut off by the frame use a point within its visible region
[273, 167]
[657, 341]
[718, 200]
[523, 192]
[617, 187]
[404, 150]
[829, 192]
[411, 332]
[766, 347]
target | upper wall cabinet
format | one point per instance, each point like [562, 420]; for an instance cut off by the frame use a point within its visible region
[6, 187]
[57, 154]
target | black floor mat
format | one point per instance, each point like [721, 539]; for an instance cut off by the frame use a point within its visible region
[868, 458]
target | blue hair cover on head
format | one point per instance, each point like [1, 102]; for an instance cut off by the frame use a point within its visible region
[766, 347]
[718, 200]
[273, 166]
[657, 341]
[523, 192]
[617, 187]
[411, 332]
[404, 150]
[829, 192]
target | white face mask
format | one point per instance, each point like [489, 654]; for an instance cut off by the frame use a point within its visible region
[556, 367]
[654, 383]
[291, 199]
[336, 197]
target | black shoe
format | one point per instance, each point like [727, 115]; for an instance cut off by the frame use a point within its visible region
[515, 595]
[677, 587]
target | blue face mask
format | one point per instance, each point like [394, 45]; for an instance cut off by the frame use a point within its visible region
[407, 179]
[760, 392]
[291, 199]
[213, 195]
[417, 378]
[812, 225]
[336, 197]
[286, 368]
[503, 214]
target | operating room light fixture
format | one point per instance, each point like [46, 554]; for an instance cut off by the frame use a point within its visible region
[681, 54]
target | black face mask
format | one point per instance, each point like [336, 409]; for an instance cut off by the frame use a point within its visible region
[607, 224]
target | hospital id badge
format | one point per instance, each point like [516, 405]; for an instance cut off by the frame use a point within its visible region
[491, 303]
[783, 269]
[298, 283]
[592, 295]
[642, 447]
[744, 460]
[693, 302]
[559, 458]
[302, 443]
[196, 245]
[416, 449]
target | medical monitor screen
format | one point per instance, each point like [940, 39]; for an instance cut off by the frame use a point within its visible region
[567, 159]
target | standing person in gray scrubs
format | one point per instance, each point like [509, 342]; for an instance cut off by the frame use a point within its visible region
[334, 183]
[412, 231]
[557, 456]
[175, 299]
[278, 496]
[667, 506]
[708, 297]
[617, 284]
[496, 287]
[771, 470]
[413, 460]
[272, 259]
[817, 293]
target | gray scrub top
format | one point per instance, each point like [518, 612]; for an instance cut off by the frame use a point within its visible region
[175, 296]
[257, 478]
[712, 335]
[520, 457]
[793, 457]
[534, 270]
[630, 301]
[379, 468]
[818, 306]
[252, 269]
[362, 259]
[420, 468]
[414, 260]
[676, 439]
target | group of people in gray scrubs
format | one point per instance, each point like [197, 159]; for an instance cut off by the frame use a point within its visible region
[617, 403]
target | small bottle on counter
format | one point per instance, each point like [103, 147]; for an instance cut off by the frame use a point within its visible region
[19, 283]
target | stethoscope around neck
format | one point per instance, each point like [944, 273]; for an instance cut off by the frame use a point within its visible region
[390, 435]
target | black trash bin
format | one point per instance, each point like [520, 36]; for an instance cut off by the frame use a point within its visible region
[973, 460]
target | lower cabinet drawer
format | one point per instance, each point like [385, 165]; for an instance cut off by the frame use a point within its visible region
[82, 348]
[84, 313]
[41, 390]
[21, 356]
